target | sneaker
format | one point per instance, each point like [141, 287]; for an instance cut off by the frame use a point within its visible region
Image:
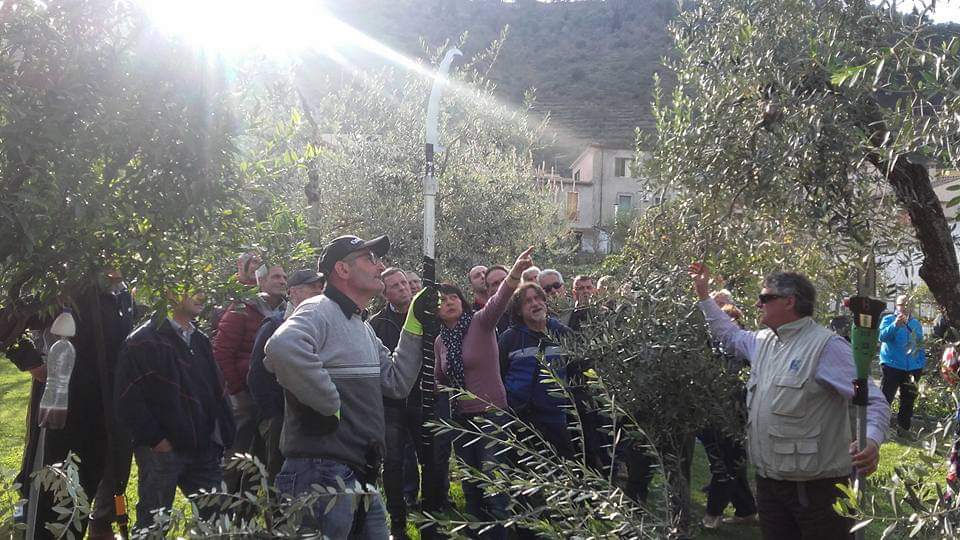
[711, 522]
[742, 520]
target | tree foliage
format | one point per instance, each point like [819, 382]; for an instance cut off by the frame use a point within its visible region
[116, 149]
[353, 151]
[819, 112]
[793, 128]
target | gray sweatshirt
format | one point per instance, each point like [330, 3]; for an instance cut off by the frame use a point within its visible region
[328, 359]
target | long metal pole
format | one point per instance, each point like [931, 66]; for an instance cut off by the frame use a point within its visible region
[428, 384]
[863, 334]
[34, 500]
[861, 392]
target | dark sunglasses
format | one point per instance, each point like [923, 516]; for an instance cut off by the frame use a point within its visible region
[553, 287]
[766, 298]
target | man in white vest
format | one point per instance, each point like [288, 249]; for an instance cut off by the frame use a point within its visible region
[798, 429]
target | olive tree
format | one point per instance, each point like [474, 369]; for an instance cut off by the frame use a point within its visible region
[818, 111]
[808, 119]
[116, 150]
[347, 152]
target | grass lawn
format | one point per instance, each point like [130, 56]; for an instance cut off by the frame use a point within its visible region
[15, 388]
[892, 453]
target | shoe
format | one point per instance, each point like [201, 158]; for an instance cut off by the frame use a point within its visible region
[742, 520]
[399, 533]
[100, 530]
[711, 522]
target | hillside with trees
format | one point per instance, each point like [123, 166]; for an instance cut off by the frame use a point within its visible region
[591, 63]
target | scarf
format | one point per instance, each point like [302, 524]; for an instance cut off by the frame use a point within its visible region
[453, 341]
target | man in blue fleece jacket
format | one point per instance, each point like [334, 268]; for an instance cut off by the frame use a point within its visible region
[902, 359]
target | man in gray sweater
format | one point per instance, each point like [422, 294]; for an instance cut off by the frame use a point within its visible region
[335, 373]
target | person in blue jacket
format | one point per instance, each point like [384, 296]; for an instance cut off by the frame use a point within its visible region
[529, 345]
[902, 359]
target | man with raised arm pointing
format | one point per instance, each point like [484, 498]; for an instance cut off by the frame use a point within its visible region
[800, 387]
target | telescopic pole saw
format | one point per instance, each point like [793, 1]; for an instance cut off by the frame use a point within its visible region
[428, 384]
[863, 337]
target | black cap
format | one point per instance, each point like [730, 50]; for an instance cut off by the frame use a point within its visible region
[304, 277]
[342, 246]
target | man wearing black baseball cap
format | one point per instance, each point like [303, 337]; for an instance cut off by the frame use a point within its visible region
[335, 373]
[343, 246]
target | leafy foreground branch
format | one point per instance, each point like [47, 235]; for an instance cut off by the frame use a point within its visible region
[258, 512]
[912, 500]
[652, 381]
[553, 495]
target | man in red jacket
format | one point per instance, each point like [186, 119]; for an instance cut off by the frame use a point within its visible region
[232, 346]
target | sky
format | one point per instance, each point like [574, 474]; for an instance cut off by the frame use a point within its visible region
[946, 10]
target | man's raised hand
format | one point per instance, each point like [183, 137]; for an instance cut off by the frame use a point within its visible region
[700, 275]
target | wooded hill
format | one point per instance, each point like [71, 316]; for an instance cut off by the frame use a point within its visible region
[590, 62]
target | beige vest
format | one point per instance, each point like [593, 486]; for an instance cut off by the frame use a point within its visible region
[796, 428]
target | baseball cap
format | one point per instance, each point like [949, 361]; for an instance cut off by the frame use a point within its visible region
[305, 276]
[340, 247]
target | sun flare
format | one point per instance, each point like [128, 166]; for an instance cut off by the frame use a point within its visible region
[233, 27]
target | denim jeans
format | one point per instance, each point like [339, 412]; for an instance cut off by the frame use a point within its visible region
[297, 477]
[162, 472]
[482, 456]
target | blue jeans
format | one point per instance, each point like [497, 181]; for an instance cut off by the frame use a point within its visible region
[299, 474]
[482, 456]
[162, 472]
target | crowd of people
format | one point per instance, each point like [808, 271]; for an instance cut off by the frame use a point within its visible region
[299, 376]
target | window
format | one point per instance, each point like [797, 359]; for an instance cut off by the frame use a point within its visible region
[576, 176]
[573, 206]
[624, 204]
[622, 166]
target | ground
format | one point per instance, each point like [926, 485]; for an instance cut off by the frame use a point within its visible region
[14, 389]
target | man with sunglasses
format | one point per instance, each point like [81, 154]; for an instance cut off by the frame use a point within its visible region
[335, 373]
[551, 281]
[800, 388]
[560, 304]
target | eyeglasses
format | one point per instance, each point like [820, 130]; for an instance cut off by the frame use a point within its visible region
[369, 255]
[552, 287]
[767, 298]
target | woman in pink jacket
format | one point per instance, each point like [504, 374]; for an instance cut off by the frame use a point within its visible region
[468, 359]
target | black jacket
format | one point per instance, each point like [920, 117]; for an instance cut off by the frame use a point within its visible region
[940, 326]
[388, 325]
[167, 390]
[264, 388]
[116, 312]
